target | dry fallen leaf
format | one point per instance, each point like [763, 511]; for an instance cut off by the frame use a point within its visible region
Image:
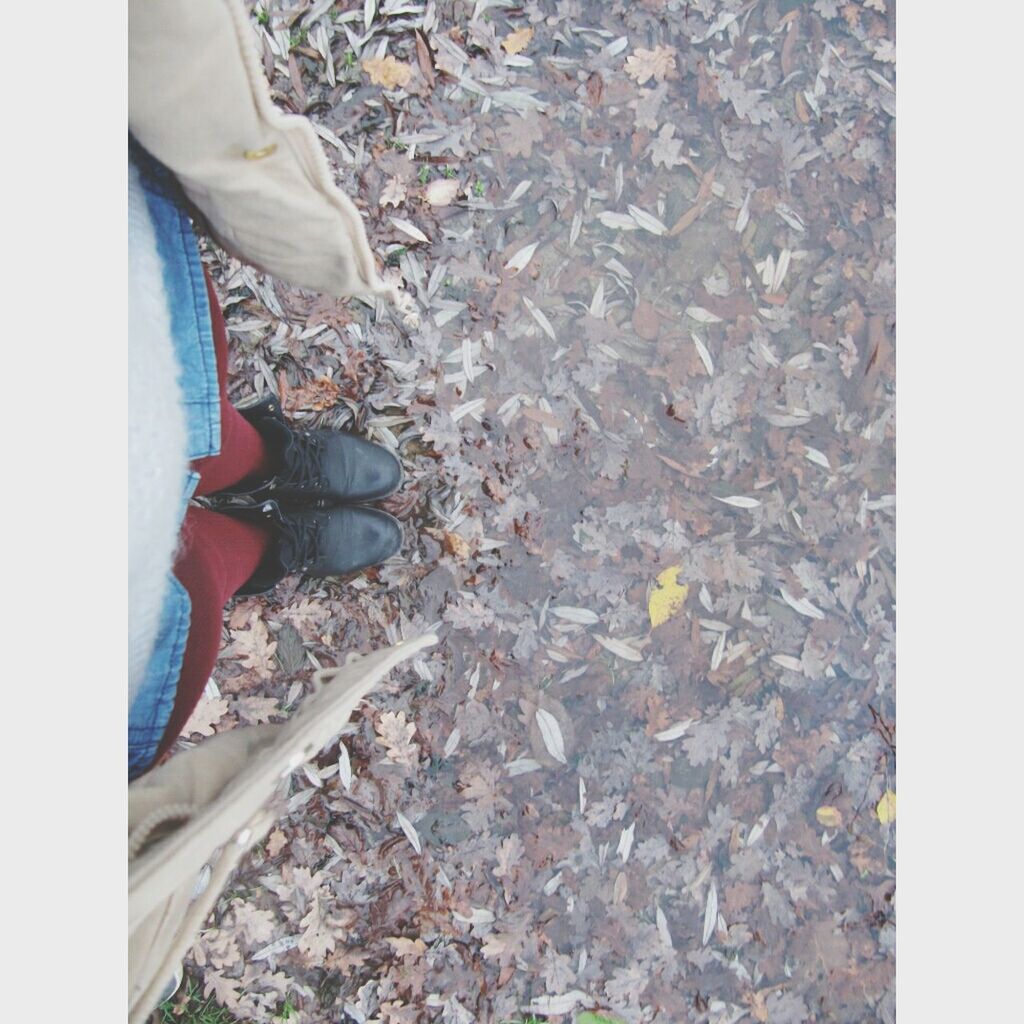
[515, 42]
[702, 315]
[626, 842]
[662, 923]
[522, 257]
[618, 648]
[801, 604]
[710, 914]
[276, 842]
[387, 71]
[408, 228]
[673, 732]
[646, 64]
[551, 733]
[829, 817]
[581, 616]
[344, 767]
[886, 809]
[410, 831]
[395, 735]
[667, 597]
[208, 712]
[393, 193]
[738, 501]
[441, 192]
[406, 947]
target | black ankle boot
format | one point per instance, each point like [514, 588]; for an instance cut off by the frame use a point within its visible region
[319, 542]
[319, 465]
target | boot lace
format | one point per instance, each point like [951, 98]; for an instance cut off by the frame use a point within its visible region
[300, 542]
[305, 461]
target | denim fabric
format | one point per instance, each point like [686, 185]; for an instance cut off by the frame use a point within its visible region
[192, 334]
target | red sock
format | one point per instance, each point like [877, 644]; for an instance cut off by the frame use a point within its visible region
[218, 554]
[242, 451]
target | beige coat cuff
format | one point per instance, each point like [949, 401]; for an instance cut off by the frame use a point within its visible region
[199, 102]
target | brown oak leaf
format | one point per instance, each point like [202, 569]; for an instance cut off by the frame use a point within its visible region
[658, 64]
[254, 648]
[208, 712]
[395, 735]
[515, 42]
[387, 71]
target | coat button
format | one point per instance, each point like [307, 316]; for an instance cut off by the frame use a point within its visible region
[260, 154]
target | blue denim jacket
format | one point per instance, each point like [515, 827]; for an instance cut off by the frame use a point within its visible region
[192, 332]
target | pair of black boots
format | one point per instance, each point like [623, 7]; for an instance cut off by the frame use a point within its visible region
[313, 503]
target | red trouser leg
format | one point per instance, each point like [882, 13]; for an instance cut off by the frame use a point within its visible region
[218, 554]
[242, 452]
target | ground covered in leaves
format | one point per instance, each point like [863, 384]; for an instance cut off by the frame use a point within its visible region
[645, 408]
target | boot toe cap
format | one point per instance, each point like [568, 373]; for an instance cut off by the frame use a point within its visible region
[364, 471]
[360, 538]
[381, 474]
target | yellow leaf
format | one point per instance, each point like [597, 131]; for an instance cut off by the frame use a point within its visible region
[829, 817]
[886, 809]
[515, 42]
[667, 597]
[387, 71]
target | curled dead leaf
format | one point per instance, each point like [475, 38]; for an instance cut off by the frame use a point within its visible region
[441, 192]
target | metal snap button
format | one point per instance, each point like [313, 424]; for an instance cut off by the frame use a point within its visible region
[260, 154]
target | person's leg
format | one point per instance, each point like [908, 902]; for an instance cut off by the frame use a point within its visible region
[218, 555]
[243, 452]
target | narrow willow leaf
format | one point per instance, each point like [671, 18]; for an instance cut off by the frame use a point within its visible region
[673, 732]
[787, 661]
[801, 605]
[583, 616]
[744, 215]
[519, 261]
[697, 313]
[738, 501]
[757, 830]
[618, 648]
[619, 221]
[710, 914]
[705, 355]
[626, 842]
[408, 228]
[410, 832]
[538, 315]
[551, 733]
[344, 767]
[817, 457]
[477, 915]
[647, 221]
[452, 743]
[662, 923]
[520, 190]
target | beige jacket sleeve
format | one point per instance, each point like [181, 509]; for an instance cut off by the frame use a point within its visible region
[199, 102]
[210, 806]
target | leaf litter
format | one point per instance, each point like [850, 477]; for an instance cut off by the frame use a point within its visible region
[697, 204]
